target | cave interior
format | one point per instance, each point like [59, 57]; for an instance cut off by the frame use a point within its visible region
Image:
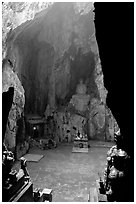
[54, 90]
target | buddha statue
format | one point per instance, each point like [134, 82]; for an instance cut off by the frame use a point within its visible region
[81, 88]
[81, 99]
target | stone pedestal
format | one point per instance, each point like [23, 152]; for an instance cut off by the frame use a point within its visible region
[80, 144]
[47, 194]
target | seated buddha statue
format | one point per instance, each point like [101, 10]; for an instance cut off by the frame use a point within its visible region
[80, 100]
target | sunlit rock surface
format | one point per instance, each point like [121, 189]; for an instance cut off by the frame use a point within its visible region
[16, 13]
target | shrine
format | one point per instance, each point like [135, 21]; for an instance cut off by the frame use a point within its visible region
[64, 102]
[80, 102]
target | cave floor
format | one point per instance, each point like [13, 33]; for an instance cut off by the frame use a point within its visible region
[70, 175]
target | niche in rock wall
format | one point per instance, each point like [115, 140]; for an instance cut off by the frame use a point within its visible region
[82, 66]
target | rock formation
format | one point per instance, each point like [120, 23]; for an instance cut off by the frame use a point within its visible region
[51, 54]
[15, 124]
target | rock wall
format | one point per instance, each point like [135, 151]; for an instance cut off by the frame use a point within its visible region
[51, 53]
[15, 130]
[54, 47]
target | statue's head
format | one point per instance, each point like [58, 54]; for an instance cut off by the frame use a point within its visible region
[81, 87]
[81, 81]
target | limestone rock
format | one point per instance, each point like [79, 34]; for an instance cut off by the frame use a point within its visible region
[99, 81]
[97, 117]
[10, 79]
[111, 125]
[51, 54]
[16, 13]
[92, 130]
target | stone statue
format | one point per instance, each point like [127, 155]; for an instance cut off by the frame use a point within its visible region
[81, 100]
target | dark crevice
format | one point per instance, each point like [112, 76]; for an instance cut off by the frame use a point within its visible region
[7, 100]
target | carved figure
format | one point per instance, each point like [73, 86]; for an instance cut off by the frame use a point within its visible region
[116, 173]
[81, 100]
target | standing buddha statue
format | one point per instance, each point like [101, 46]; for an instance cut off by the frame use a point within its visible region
[80, 100]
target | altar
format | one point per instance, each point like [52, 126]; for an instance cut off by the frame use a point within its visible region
[35, 126]
[80, 144]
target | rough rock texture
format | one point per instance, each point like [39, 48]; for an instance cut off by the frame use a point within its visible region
[111, 124]
[52, 53]
[16, 13]
[53, 50]
[97, 117]
[15, 131]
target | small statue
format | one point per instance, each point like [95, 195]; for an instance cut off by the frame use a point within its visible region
[116, 171]
[24, 166]
[7, 163]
